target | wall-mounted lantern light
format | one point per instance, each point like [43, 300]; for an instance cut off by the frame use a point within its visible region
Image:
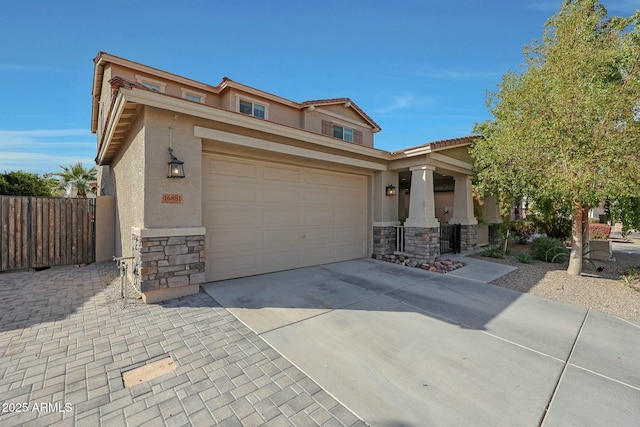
[176, 167]
[391, 190]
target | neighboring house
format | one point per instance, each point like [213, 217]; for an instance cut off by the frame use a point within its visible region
[270, 184]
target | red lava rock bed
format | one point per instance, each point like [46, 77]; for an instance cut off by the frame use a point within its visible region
[439, 266]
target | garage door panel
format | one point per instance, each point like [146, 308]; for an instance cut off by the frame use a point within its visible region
[354, 250]
[232, 168]
[319, 255]
[248, 262]
[316, 235]
[350, 217]
[281, 237]
[351, 234]
[232, 193]
[320, 178]
[278, 216]
[263, 217]
[281, 259]
[353, 199]
[349, 181]
[234, 216]
[235, 240]
[290, 196]
[319, 217]
[319, 197]
[282, 174]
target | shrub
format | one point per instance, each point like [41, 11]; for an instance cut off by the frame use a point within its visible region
[548, 249]
[599, 231]
[552, 218]
[524, 258]
[492, 252]
[523, 230]
[630, 276]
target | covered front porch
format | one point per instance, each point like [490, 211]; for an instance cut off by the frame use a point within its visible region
[427, 206]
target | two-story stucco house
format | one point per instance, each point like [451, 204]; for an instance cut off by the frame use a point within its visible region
[269, 184]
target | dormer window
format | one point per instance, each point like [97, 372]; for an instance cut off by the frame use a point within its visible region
[152, 84]
[252, 108]
[192, 95]
[343, 133]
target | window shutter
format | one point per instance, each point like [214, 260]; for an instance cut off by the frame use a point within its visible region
[327, 128]
[357, 136]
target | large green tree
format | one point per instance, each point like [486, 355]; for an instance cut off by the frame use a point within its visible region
[20, 183]
[566, 127]
[75, 179]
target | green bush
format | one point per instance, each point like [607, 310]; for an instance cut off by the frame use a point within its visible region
[524, 258]
[492, 252]
[523, 229]
[548, 249]
[552, 218]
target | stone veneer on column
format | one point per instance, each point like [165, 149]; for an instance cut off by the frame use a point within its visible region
[423, 244]
[468, 237]
[384, 240]
[495, 236]
[169, 262]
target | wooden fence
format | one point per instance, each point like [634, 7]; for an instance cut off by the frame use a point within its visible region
[43, 232]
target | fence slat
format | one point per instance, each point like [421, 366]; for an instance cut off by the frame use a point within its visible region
[40, 232]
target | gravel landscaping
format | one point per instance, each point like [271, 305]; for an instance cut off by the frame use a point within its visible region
[603, 290]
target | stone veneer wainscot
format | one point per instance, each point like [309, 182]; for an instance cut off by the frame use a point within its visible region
[168, 258]
[384, 240]
[468, 237]
[422, 244]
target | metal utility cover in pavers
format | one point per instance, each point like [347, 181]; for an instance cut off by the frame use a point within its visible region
[70, 346]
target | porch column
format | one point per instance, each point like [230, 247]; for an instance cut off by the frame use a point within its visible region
[422, 207]
[491, 213]
[385, 214]
[463, 212]
[463, 202]
[491, 210]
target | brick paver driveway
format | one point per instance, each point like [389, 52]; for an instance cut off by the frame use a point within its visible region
[63, 350]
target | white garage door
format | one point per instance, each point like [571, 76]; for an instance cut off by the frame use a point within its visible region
[263, 217]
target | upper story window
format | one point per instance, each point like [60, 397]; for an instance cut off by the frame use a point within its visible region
[151, 86]
[150, 83]
[252, 108]
[193, 95]
[342, 132]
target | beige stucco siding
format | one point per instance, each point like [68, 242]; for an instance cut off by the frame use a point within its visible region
[105, 102]
[186, 148]
[312, 121]
[128, 181]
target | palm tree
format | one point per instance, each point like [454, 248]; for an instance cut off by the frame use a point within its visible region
[75, 179]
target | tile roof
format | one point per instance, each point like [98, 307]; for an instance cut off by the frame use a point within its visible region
[444, 143]
[464, 140]
[331, 101]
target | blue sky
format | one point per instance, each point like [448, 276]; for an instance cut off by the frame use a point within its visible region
[419, 68]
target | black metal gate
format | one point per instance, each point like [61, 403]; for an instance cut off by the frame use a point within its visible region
[450, 238]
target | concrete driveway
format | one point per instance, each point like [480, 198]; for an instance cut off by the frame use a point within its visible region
[405, 347]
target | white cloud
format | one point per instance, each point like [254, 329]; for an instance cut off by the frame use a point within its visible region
[453, 74]
[39, 162]
[397, 103]
[44, 150]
